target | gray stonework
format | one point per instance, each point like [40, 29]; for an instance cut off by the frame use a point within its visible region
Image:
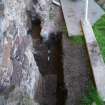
[19, 73]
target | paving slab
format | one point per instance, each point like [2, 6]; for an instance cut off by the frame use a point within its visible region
[96, 60]
[73, 11]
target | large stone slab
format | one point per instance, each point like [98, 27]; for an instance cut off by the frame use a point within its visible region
[74, 10]
[19, 73]
[96, 60]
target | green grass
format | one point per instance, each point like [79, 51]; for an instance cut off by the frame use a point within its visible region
[99, 30]
[78, 40]
[75, 40]
[92, 97]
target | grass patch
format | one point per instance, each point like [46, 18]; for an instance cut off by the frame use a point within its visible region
[78, 39]
[92, 97]
[99, 30]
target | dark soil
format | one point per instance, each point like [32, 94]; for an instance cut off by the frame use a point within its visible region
[76, 71]
[51, 70]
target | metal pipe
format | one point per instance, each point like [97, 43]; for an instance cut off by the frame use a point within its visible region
[56, 3]
[86, 9]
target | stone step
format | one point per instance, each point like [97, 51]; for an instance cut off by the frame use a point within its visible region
[73, 11]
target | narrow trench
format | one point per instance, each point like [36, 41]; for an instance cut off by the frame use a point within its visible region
[65, 76]
[54, 92]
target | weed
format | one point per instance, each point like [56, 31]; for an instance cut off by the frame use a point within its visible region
[92, 97]
[99, 30]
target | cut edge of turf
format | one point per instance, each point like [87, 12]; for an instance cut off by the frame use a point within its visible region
[78, 40]
[99, 30]
[91, 97]
[75, 40]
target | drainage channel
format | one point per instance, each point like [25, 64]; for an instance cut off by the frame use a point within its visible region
[53, 89]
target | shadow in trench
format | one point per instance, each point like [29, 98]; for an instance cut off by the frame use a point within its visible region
[53, 91]
[61, 90]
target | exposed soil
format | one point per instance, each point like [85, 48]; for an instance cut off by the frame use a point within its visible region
[76, 71]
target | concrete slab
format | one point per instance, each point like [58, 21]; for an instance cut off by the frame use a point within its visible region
[74, 11]
[96, 60]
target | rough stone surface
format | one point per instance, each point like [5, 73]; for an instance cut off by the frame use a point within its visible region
[16, 18]
[19, 74]
[17, 97]
[50, 17]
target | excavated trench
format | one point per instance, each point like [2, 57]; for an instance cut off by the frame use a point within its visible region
[65, 75]
[54, 91]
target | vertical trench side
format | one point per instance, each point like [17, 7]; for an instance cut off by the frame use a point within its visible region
[61, 88]
[53, 91]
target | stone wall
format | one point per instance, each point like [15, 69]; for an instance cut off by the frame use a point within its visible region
[19, 73]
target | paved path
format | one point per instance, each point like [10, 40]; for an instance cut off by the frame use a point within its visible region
[73, 11]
